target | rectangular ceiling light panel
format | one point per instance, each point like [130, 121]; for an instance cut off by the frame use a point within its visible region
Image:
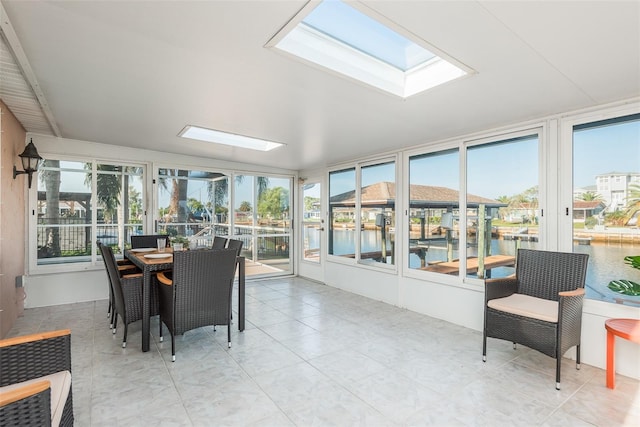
[219, 137]
[339, 37]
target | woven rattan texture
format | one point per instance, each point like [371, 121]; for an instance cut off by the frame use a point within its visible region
[540, 274]
[148, 241]
[201, 291]
[35, 359]
[30, 411]
[127, 291]
[544, 274]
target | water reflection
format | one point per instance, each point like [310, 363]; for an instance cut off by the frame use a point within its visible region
[606, 261]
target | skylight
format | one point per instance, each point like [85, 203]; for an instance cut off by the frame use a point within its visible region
[219, 137]
[341, 38]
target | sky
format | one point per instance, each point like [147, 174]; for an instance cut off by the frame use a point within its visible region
[510, 168]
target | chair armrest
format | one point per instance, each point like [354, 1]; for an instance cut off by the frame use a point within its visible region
[573, 293]
[28, 405]
[7, 342]
[570, 316]
[570, 301]
[27, 390]
[500, 288]
[162, 278]
[34, 356]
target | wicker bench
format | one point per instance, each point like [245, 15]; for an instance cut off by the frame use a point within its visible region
[35, 380]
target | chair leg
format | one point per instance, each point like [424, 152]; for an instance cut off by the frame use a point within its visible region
[124, 338]
[558, 363]
[113, 316]
[578, 357]
[173, 347]
[115, 323]
[229, 332]
[160, 333]
[484, 345]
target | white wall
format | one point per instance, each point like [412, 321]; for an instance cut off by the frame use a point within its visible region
[66, 288]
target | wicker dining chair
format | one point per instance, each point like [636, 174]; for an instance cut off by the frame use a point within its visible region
[44, 360]
[124, 267]
[198, 293]
[219, 242]
[237, 245]
[148, 240]
[127, 293]
[541, 307]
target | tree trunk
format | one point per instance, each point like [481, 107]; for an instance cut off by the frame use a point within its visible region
[52, 188]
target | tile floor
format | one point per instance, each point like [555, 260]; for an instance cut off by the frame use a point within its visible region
[313, 355]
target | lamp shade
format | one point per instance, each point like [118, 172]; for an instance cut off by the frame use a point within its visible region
[30, 158]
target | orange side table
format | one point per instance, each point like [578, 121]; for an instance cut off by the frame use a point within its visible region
[629, 329]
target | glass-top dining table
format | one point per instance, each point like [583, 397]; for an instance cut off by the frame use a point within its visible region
[152, 264]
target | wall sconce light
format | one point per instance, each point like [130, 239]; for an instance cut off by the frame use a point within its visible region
[30, 161]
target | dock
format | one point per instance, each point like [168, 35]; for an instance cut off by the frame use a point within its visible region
[582, 240]
[452, 267]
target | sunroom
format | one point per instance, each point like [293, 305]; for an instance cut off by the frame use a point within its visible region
[503, 125]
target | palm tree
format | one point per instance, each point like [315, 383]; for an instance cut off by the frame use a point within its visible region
[219, 191]
[633, 196]
[633, 202]
[590, 196]
[51, 180]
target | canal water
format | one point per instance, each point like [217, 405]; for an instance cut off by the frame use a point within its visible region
[606, 261]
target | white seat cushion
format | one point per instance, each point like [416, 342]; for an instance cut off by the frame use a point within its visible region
[527, 306]
[60, 386]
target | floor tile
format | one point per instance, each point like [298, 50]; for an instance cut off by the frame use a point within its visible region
[312, 355]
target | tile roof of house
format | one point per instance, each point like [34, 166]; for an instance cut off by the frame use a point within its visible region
[384, 193]
[591, 204]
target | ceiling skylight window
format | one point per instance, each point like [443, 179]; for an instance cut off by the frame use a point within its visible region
[219, 137]
[340, 37]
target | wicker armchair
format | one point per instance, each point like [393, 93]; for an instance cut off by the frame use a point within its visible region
[127, 293]
[42, 360]
[541, 307]
[198, 293]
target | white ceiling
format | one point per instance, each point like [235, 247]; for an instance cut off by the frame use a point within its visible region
[134, 73]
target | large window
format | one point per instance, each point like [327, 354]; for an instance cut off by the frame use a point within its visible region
[503, 211]
[342, 212]
[80, 202]
[262, 220]
[362, 218]
[192, 205]
[606, 206]
[312, 222]
[377, 213]
[434, 208]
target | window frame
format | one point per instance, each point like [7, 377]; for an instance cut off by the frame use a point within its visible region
[357, 167]
[539, 128]
[95, 261]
